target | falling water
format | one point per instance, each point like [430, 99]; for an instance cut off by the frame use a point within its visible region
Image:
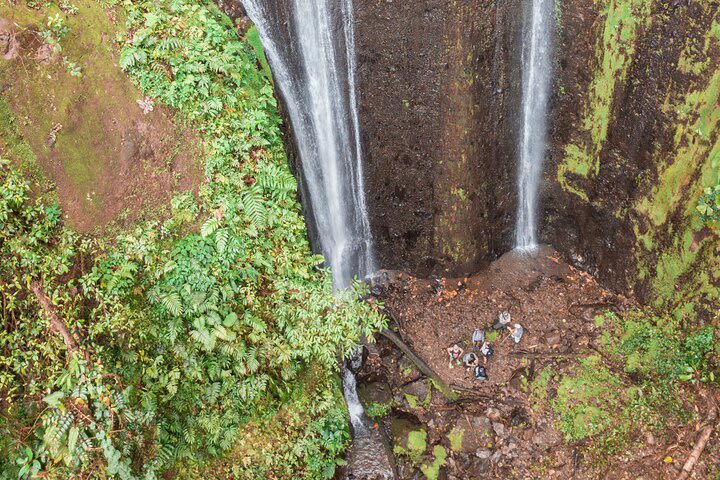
[310, 46]
[537, 50]
[369, 457]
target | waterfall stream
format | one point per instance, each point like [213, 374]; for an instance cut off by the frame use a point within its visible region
[369, 457]
[310, 47]
[537, 72]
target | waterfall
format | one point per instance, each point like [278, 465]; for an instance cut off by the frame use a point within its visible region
[355, 408]
[536, 64]
[369, 456]
[310, 47]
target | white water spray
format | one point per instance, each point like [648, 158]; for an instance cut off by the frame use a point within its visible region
[537, 69]
[369, 456]
[312, 53]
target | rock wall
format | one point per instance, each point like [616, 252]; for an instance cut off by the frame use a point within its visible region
[633, 139]
[634, 143]
[439, 96]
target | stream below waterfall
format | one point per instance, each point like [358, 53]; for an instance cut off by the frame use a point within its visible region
[369, 457]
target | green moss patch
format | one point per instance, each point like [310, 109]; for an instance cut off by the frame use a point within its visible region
[615, 50]
[683, 268]
[79, 115]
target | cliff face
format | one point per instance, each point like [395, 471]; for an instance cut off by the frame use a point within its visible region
[439, 93]
[634, 143]
[633, 138]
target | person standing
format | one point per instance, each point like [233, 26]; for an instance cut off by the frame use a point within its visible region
[516, 332]
[478, 337]
[503, 320]
[455, 354]
[487, 351]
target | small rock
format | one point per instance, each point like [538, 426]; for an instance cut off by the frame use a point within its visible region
[493, 414]
[375, 392]
[146, 104]
[483, 453]
[408, 371]
[418, 388]
[476, 433]
[545, 439]
[553, 340]
[499, 429]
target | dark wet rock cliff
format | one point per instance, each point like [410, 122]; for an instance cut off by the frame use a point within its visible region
[439, 92]
[633, 138]
[634, 141]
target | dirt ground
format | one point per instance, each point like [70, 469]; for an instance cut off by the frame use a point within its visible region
[105, 157]
[554, 303]
[506, 434]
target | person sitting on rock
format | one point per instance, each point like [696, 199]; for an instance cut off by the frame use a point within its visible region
[455, 353]
[470, 360]
[478, 337]
[487, 351]
[503, 320]
[480, 373]
[516, 332]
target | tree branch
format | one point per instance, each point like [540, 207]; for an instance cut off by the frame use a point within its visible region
[56, 322]
[422, 366]
[702, 440]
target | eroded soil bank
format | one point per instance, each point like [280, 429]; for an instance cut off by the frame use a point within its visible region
[507, 427]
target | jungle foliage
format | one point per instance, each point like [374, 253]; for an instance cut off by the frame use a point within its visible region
[641, 378]
[192, 331]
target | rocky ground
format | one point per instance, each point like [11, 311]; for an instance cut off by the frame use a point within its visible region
[498, 429]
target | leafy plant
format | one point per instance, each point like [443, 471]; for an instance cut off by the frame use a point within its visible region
[414, 450]
[56, 31]
[709, 204]
[378, 410]
[200, 331]
[657, 347]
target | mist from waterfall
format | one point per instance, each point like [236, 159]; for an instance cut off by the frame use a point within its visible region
[312, 56]
[536, 81]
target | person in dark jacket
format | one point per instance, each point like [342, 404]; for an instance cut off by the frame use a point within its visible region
[480, 373]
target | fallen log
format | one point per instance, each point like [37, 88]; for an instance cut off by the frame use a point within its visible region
[523, 353]
[702, 440]
[56, 322]
[420, 363]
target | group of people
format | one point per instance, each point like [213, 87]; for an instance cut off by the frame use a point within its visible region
[471, 360]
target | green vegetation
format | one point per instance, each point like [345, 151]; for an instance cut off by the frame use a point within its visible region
[589, 402]
[378, 410]
[683, 189]
[709, 205]
[671, 207]
[657, 347]
[432, 470]
[415, 450]
[60, 116]
[456, 439]
[636, 383]
[213, 332]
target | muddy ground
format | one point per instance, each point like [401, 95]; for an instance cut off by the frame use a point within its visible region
[505, 434]
[107, 153]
